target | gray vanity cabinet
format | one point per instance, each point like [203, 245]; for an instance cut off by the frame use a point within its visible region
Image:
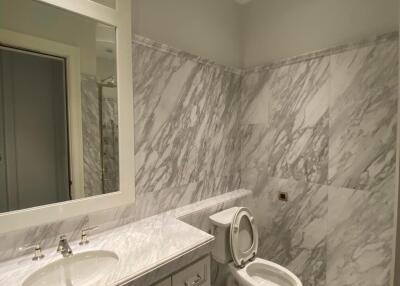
[165, 282]
[196, 274]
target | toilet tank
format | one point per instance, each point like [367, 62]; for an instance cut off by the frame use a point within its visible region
[221, 223]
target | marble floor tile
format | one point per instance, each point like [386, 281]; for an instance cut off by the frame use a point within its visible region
[360, 236]
[362, 111]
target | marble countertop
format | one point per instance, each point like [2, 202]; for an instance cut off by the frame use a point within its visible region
[142, 247]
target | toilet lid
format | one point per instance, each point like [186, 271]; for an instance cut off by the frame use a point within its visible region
[243, 237]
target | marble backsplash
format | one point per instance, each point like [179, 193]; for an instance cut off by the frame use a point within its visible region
[322, 128]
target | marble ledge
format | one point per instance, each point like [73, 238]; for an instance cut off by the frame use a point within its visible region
[211, 203]
[324, 52]
[148, 250]
[141, 40]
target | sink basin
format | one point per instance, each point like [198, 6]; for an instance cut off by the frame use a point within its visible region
[84, 268]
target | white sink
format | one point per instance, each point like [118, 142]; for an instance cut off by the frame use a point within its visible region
[85, 268]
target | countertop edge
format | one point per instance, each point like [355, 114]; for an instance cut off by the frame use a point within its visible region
[150, 271]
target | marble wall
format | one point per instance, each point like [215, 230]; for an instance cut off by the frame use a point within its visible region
[186, 128]
[322, 127]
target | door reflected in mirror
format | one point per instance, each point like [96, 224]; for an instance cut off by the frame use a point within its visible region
[58, 106]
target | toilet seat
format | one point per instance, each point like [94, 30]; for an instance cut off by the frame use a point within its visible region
[247, 269]
[243, 237]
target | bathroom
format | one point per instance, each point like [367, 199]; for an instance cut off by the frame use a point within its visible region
[199, 143]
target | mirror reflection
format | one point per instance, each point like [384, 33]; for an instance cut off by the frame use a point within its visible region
[58, 106]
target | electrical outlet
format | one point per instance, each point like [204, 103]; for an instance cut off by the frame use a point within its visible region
[283, 196]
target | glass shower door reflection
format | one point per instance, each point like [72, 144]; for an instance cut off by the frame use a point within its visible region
[109, 138]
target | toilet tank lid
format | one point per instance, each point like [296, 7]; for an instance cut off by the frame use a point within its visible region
[224, 218]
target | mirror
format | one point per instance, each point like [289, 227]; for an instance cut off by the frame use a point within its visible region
[59, 133]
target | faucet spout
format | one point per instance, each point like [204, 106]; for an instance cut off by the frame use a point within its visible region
[63, 247]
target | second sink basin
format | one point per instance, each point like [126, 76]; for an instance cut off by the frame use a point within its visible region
[84, 268]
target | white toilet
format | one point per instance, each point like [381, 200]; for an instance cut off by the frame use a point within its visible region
[236, 243]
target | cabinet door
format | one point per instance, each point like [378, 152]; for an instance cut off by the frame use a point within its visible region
[165, 282]
[197, 274]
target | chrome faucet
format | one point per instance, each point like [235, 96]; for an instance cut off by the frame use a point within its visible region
[63, 247]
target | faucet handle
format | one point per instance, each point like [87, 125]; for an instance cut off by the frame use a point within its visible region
[84, 234]
[38, 255]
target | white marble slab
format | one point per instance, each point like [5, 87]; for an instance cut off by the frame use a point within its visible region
[141, 247]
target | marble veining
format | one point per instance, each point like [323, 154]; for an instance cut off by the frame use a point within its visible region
[185, 122]
[363, 115]
[293, 124]
[91, 136]
[140, 246]
[360, 236]
[322, 127]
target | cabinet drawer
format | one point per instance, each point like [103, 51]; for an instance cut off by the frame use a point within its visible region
[197, 274]
[165, 282]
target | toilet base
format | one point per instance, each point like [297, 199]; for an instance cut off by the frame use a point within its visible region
[260, 272]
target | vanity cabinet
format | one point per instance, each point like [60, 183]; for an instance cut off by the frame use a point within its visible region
[165, 282]
[196, 274]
